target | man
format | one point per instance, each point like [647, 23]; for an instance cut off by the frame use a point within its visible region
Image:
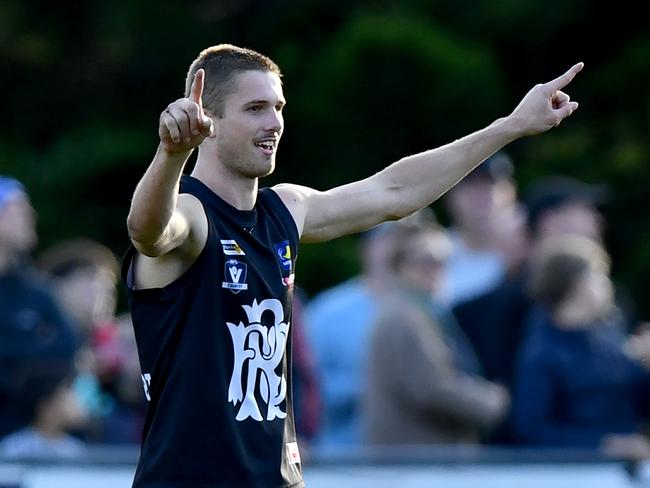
[560, 205]
[476, 264]
[424, 382]
[210, 285]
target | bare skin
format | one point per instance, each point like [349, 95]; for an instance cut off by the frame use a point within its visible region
[237, 148]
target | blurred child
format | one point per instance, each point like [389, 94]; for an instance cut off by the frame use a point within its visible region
[46, 395]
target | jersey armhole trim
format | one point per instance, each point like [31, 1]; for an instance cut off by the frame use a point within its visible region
[288, 216]
[175, 286]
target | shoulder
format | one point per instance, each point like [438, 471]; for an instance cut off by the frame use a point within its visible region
[295, 198]
[279, 211]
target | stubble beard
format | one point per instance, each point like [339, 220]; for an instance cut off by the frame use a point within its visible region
[247, 162]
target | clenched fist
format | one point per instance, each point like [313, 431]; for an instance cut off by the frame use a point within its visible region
[183, 125]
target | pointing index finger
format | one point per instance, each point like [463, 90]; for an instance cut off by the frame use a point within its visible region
[197, 87]
[563, 80]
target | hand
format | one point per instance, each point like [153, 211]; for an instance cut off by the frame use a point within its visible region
[183, 125]
[545, 105]
[637, 346]
[633, 447]
[499, 400]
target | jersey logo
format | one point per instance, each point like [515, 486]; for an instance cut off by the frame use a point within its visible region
[235, 276]
[283, 253]
[231, 248]
[259, 350]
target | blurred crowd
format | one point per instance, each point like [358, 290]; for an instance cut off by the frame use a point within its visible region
[504, 328]
[69, 373]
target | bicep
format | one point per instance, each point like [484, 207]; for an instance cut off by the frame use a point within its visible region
[354, 207]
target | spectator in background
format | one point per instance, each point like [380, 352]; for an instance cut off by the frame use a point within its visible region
[495, 321]
[46, 395]
[424, 379]
[32, 327]
[577, 383]
[84, 276]
[339, 321]
[476, 265]
[560, 205]
[492, 321]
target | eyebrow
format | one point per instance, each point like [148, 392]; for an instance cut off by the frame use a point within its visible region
[265, 102]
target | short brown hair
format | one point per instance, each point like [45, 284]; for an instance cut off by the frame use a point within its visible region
[559, 263]
[221, 63]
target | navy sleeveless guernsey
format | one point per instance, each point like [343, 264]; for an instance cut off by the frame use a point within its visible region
[215, 352]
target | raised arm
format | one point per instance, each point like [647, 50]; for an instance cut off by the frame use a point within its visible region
[416, 181]
[159, 220]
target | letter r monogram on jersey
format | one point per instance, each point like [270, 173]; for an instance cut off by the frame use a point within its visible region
[261, 348]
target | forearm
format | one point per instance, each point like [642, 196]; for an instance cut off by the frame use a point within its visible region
[418, 180]
[155, 197]
[463, 398]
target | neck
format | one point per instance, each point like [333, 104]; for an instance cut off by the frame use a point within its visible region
[236, 189]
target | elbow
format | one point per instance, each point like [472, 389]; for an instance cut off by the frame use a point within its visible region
[144, 239]
[137, 231]
[401, 204]
[400, 200]
[132, 225]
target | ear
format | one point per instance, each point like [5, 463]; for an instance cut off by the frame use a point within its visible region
[215, 122]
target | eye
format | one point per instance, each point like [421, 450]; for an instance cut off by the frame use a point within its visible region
[255, 108]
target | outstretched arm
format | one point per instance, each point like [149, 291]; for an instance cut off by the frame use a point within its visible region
[158, 220]
[416, 181]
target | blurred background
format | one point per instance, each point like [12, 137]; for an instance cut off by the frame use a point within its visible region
[367, 82]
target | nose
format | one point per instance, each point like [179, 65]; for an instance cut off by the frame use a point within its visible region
[275, 121]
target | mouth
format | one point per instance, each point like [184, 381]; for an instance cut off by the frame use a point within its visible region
[267, 146]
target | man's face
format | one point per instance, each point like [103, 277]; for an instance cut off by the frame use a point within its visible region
[250, 129]
[422, 268]
[474, 202]
[573, 217]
